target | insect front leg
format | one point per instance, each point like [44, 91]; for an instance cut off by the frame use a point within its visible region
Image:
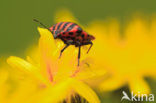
[63, 50]
[67, 44]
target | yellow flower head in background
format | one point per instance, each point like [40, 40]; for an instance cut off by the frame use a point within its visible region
[129, 59]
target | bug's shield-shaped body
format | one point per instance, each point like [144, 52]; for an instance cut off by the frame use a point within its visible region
[71, 34]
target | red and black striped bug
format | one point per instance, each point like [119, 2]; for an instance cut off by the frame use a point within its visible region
[71, 34]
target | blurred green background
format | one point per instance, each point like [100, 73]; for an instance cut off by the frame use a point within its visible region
[18, 31]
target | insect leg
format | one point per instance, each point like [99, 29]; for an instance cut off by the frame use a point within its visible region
[91, 44]
[79, 53]
[63, 50]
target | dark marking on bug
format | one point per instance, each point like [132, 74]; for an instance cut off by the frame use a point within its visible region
[54, 27]
[78, 34]
[56, 32]
[59, 25]
[82, 35]
[71, 27]
[73, 38]
[70, 33]
[68, 37]
[64, 26]
[63, 33]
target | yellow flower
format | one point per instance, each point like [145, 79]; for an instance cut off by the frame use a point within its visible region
[129, 59]
[59, 79]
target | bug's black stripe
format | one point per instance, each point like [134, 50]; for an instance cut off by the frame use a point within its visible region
[54, 27]
[58, 27]
[71, 27]
[56, 31]
[64, 26]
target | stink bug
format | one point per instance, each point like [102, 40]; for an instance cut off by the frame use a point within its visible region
[71, 34]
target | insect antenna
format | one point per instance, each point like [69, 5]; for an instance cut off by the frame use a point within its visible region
[41, 24]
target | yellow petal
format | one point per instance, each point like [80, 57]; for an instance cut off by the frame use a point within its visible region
[55, 94]
[48, 54]
[90, 70]
[139, 85]
[33, 55]
[67, 63]
[25, 66]
[3, 75]
[112, 83]
[149, 73]
[47, 44]
[85, 91]
[4, 88]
